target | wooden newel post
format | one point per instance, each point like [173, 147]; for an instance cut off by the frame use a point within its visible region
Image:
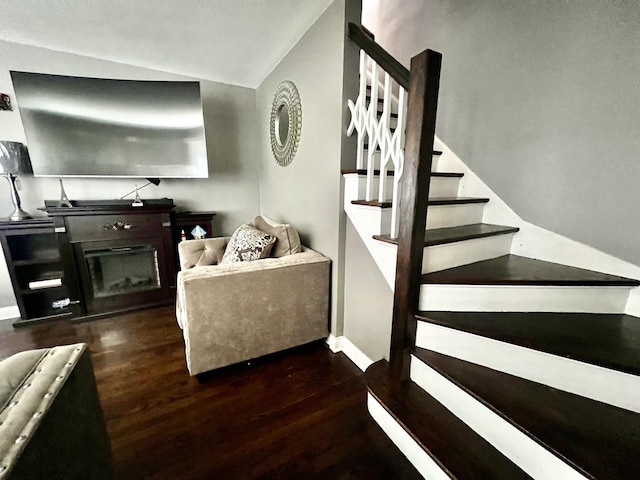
[412, 213]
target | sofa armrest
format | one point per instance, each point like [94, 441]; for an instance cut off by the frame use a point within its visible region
[239, 311]
[52, 425]
[205, 251]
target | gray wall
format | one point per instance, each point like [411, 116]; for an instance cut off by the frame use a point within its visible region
[230, 112]
[306, 193]
[541, 100]
[368, 305]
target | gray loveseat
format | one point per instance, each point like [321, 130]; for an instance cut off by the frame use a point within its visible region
[51, 423]
[235, 312]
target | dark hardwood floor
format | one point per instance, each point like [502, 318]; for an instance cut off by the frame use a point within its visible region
[297, 415]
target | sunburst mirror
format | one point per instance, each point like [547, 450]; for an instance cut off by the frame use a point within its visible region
[285, 123]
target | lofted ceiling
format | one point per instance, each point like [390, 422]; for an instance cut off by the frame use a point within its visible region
[231, 41]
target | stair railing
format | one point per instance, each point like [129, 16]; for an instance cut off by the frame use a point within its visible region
[412, 167]
[372, 121]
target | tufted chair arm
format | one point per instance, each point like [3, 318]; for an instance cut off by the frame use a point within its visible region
[206, 251]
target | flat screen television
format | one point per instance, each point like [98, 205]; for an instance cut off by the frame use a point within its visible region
[95, 127]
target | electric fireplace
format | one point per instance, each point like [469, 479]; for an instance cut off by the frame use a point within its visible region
[120, 256]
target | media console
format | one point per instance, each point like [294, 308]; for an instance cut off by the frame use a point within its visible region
[95, 259]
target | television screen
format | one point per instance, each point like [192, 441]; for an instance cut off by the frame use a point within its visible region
[93, 127]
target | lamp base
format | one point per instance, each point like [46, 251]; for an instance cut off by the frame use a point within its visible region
[19, 214]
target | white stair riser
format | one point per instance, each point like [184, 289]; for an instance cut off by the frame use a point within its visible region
[450, 255]
[367, 220]
[605, 385]
[443, 216]
[407, 445]
[440, 187]
[525, 452]
[507, 298]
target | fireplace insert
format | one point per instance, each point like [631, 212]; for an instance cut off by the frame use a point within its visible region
[122, 270]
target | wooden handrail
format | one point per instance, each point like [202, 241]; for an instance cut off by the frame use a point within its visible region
[421, 126]
[383, 58]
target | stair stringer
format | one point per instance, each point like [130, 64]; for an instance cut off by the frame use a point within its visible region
[369, 221]
[533, 241]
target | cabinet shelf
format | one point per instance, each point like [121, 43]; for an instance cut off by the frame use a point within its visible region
[34, 291]
[36, 268]
[37, 261]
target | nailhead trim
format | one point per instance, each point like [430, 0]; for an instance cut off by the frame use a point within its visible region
[5, 464]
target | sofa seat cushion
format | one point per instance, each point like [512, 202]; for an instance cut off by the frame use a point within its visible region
[287, 238]
[246, 244]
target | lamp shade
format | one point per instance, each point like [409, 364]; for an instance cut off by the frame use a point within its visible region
[14, 158]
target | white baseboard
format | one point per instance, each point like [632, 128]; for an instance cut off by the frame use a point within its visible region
[9, 313]
[334, 343]
[353, 353]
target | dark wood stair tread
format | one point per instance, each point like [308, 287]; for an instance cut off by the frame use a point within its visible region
[441, 236]
[606, 340]
[391, 173]
[432, 201]
[450, 442]
[600, 440]
[516, 270]
[366, 147]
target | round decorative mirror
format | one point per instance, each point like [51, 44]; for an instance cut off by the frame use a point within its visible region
[285, 123]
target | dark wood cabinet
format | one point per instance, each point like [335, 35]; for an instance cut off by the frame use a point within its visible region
[96, 258]
[187, 221]
[42, 283]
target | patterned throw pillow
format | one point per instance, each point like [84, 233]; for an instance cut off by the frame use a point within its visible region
[247, 243]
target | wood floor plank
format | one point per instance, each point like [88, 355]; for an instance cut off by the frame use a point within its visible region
[297, 415]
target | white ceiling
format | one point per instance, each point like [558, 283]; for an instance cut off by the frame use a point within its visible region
[231, 41]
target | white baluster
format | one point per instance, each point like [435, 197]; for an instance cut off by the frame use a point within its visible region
[398, 149]
[385, 138]
[372, 131]
[377, 132]
[359, 112]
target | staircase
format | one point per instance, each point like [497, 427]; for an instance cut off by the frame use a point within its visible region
[505, 366]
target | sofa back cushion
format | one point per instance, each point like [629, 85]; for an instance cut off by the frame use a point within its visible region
[248, 243]
[287, 238]
[200, 252]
